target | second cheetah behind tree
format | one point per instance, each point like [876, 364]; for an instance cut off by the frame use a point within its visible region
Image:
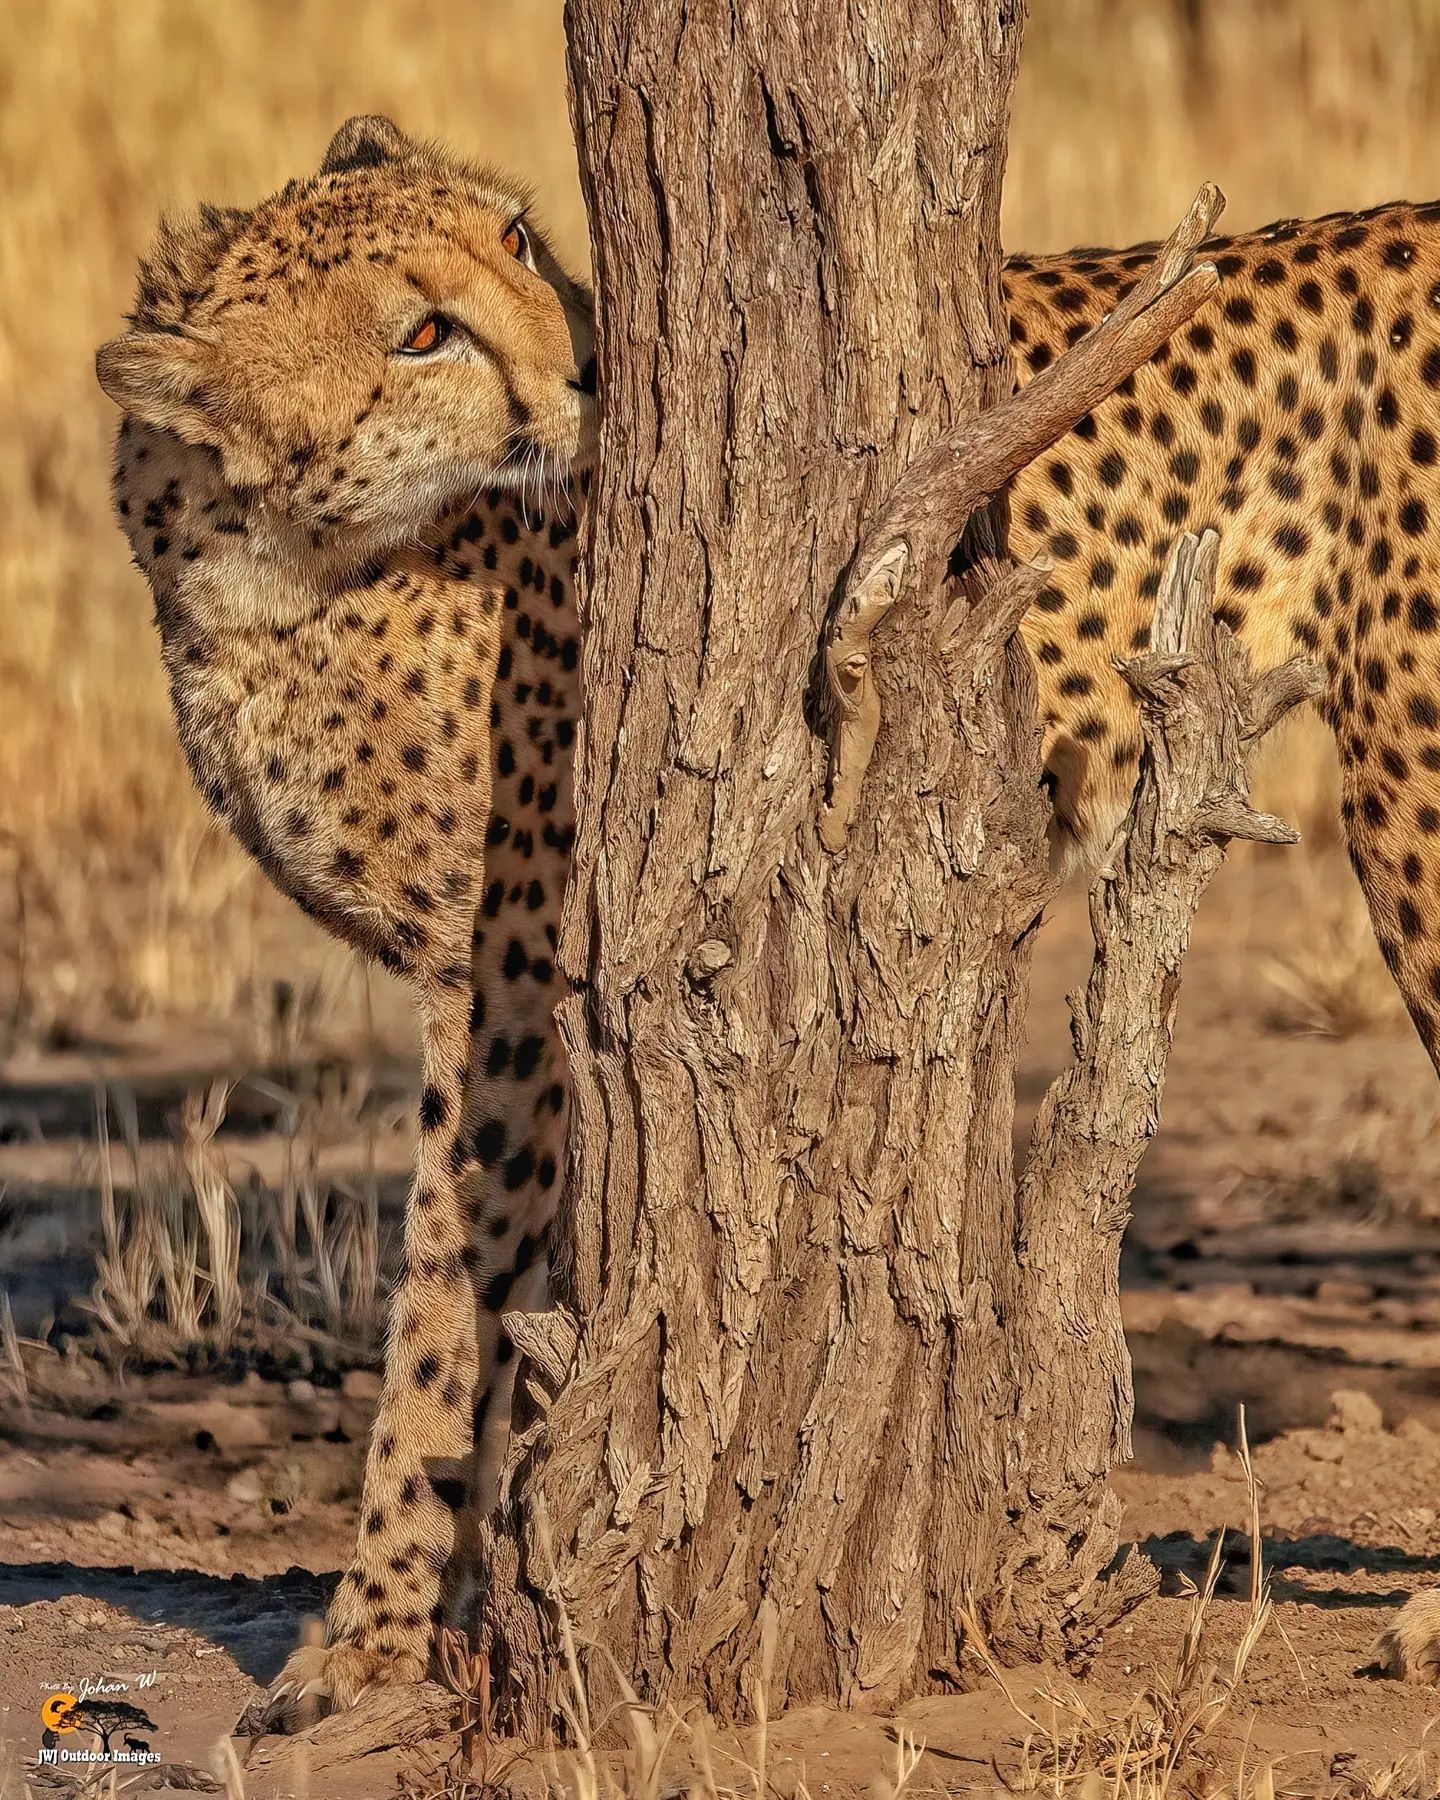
[375, 673]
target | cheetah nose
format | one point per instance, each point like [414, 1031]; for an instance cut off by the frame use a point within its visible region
[586, 382]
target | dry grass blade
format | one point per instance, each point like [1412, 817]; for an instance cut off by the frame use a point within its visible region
[201, 1117]
[1160, 1743]
[14, 1381]
[229, 1770]
[639, 1770]
[466, 1672]
[126, 1266]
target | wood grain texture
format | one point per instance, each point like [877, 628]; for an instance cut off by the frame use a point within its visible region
[786, 1428]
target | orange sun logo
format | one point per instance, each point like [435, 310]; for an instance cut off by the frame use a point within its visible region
[55, 1713]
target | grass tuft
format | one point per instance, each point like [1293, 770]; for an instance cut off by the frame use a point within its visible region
[188, 1269]
[1162, 1740]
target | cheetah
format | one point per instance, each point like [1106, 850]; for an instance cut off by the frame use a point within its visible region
[1299, 413]
[341, 411]
[353, 420]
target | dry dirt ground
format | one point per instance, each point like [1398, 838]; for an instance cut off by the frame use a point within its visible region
[172, 1527]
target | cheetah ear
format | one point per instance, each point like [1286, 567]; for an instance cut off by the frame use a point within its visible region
[180, 265]
[365, 142]
[159, 377]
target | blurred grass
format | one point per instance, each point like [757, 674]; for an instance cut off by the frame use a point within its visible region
[117, 898]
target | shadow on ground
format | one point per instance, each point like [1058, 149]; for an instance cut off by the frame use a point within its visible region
[254, 1620]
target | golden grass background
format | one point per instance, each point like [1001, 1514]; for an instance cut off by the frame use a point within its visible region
[117, 899]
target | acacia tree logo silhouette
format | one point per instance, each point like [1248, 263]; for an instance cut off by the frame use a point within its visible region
[64, 1712]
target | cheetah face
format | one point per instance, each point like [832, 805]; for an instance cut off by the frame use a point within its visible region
[367, 349]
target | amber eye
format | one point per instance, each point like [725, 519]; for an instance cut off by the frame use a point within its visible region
[516, 241]
[429, 335]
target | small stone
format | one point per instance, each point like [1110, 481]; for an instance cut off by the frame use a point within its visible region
[301, 1391]
[360, 1384]
[1353, 1411]
[244, 1487]
[1321, 1448]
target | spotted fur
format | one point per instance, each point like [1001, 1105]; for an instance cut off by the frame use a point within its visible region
[362, 566]
[1300, 414]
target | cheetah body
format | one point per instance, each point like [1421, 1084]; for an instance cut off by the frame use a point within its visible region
[376, 685]
[1299, 413]
[364, 589]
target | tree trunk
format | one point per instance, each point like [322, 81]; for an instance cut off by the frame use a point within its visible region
[788, 1431]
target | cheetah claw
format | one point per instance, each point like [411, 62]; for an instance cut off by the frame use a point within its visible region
[318, 1680]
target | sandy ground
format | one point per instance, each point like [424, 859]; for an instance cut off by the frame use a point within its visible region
[170, 1530]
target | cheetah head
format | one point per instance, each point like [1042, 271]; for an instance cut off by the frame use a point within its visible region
[365, 350]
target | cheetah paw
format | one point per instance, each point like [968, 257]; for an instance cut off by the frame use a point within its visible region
[1408, 1649]
[318, 1680]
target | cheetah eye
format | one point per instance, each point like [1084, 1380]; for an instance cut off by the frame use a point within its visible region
[428, 335]
[516, 241]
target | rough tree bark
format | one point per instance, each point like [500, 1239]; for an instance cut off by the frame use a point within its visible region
[823, 1382]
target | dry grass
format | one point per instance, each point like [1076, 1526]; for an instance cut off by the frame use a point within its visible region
[1373, 1164]
[188, 1269]
[663, 1753]
[14, 1378]
[1188, 1732]
[1165, 1737]
[117, 897]
[1333, 981]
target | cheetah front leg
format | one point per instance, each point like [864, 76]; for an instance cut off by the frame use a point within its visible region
[518, 1111]
[488, 1174]
[382, 1621]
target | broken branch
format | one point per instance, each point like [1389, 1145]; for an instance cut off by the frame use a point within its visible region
[927, 509]
[1197, 701]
